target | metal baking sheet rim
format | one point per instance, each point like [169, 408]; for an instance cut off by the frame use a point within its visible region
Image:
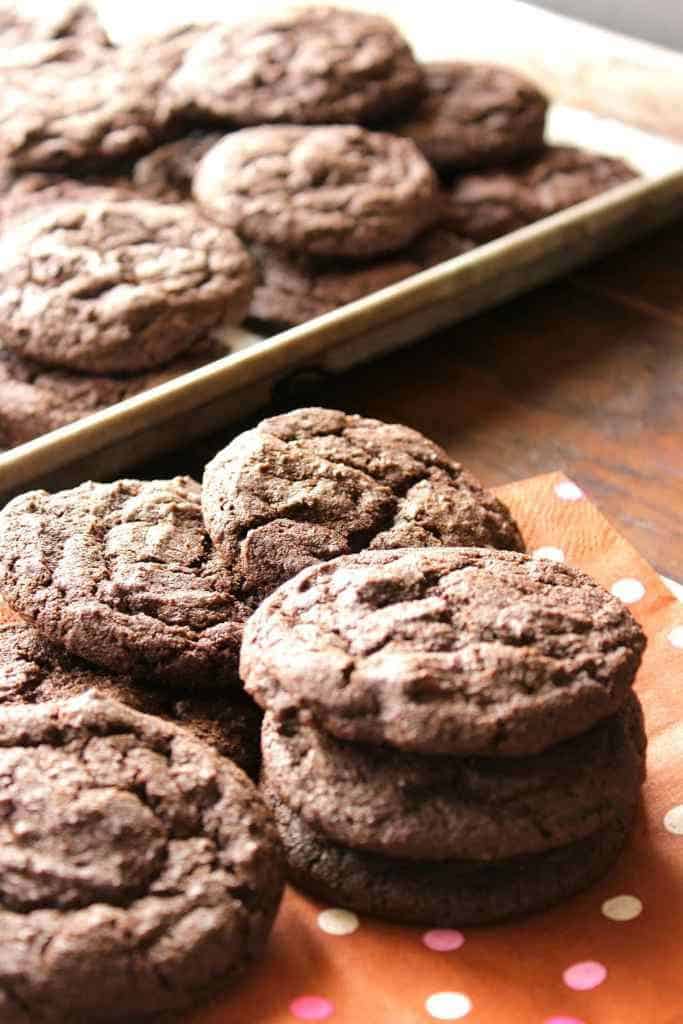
[237, 385]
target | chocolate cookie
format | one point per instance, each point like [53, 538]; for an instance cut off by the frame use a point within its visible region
[117, 286]
[331, 191]
[124, 576]
[316, 483]
[166, 173]
[446, 894]
[291, 289]
[443, 650]
[492, 203]
[563, 176]
[35, 399]
[33, 670]
[442, 808]
[28, 193]
[307, 66]
[475, 115]
[140, 871]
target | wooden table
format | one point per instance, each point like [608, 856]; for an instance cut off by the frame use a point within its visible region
[584, 375]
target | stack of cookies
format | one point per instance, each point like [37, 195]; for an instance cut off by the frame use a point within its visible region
[450, 735]
[340, 161]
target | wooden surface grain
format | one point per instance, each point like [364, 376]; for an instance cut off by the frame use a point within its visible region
[585, 376]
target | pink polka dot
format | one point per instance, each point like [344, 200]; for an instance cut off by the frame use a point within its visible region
[311, 1008]
[562, 1020]
[443, 940]
[585, 975]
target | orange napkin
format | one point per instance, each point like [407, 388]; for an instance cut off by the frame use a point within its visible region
[613, 955]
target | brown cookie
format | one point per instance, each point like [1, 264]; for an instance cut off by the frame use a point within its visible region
[443, 650]
[331, 191]
[117, 286]
[124, 576]
[306, 66]
[486, 205]
[33, 671]
[475, 115]
[140, 872]
[291, 289]
[442, 894]
[35, 399]
[443, 808]
[28, 193]
[166, 173]
[316, 483]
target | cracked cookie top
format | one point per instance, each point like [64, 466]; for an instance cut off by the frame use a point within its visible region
[475, 115]
[440, 807]
[333, 191]
[309, 65]
[316, 483]
[112, 286]
[124, 575]
[443, 650]
[139, 870]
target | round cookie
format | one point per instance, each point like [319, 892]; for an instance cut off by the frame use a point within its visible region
[140, 871]
[33, 670]
[306, 66]
[443, 650]
[291, 289]
[442, 808]
[166, 173]
[117, 286]
[335, 190]
[491, 203]
[564, 175]
[475, 115]
[442, 894]
[35, 399]
[124, 576]
[316, 483]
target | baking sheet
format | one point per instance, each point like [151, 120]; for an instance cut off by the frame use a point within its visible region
[199, 402]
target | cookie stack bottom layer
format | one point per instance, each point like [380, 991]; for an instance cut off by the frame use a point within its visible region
[449, 841]
[442, 893]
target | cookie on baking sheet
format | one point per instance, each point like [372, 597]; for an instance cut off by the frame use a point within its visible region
[449, 893]
[310, 65]
[117, 286]
[565, 175]
[491, 203]
[36, 399]
[292, 288]
[443, 650]
[333, 190]
[439, 808]
[475, 115]
[315, 483]
[125, 576]
[140, 871]
[166, 173]
[33, 670]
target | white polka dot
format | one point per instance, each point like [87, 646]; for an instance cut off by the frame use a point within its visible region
[675, 637]
[448, 1005]
[553, 554]
[673, 820]
[337, 922]
[628, 590]
[622, 908]
[568, 490]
